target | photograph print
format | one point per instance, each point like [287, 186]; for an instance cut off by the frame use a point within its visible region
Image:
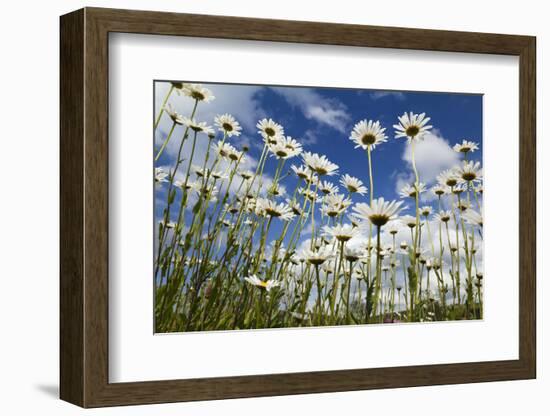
[291, 206]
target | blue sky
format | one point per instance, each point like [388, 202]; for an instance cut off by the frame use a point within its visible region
[322, 119]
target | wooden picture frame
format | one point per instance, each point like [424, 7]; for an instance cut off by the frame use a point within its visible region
[84, 207]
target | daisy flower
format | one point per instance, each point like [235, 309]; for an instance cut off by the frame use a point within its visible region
[353, 253]
[327, 188]
[465, 147]
[174, 115]
[197, 92]
[335, 205]
[319, 164]
[270, 130]
[277, 190]
[379, 213]
[439, 190]
[160, 176]
[443, 216]
[318, 257]
[282, 150]
[295, 207]
[198, 126]
[426, 211]
[301, 172]
[412, 126]
[448, 177]
[470, 171]
[368, 133]
[408, 221]
[223, 149]
[393, 228]
[272, 209]
[308, 194]
[267, 285]
[353, 184]
[410, 191]
[342, 233]
[246, 174]
[227, 124]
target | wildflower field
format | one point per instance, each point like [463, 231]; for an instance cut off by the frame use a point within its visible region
[315, 207]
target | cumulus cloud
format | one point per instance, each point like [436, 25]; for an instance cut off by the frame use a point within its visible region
[327, 112]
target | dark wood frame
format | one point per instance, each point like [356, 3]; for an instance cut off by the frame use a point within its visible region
[84, 207]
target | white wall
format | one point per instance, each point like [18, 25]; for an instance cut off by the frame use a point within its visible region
[29, 206]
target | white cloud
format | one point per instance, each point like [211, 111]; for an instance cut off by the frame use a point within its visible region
[382, 94]
[314, 106]
[432, 155]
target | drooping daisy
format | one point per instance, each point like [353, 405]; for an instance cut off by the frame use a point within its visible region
[426, 211]
[270, 130]
[174, 115]
[368, 133]
[411, 191]
[227, 124]
[197, 92]
[473, 217]
[198, 126]
[160, 176]
[462, 205]
[379, 213]
[318, 257]
[218, 175]
[470, 171]
[465, 147]
[319, 164]
[443, 216]
[223, 149]
[267, 285]
[327, 188]
[412, 126]
[342, 233]
[353, 184]
[272, 209]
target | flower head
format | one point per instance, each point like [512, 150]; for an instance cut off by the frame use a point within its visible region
[465, 147]
[227, 124]
[335, 204]
[412, 126]
[267, 285]
[426, 211]
[470, 171]
[197, 92]
[270, 208]
[270, 130]
[327, 188]
[368, 133]
[174, 115]
[448, 177]
[160, 176]
[443, 216]
[411, 191]
[353, 185]
[342, 233]
[285, 148]
[319, 256]
[198, 126]
[319, 164]
[379, 212]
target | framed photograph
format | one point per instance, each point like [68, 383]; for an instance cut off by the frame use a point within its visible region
[260, 207]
